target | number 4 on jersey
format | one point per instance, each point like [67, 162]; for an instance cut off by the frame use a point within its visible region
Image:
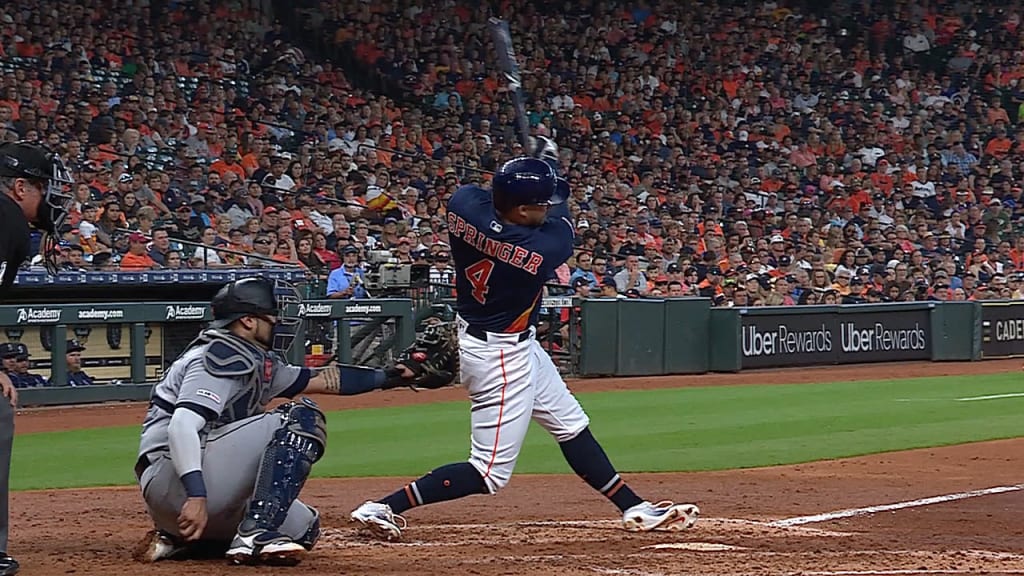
[478, 275]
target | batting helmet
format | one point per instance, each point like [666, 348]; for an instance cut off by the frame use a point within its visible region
[258, 297]
[528, 180]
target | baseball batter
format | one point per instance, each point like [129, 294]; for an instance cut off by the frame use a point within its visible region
[506, 244]
[214, 466]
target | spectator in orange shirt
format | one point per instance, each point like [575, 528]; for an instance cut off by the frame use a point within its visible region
[228, 163]
[137, 259]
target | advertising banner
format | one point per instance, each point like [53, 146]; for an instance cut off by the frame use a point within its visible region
[1002, 329]
[808, 337]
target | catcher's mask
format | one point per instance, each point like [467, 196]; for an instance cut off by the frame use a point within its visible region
[287, 326]
[259, 296]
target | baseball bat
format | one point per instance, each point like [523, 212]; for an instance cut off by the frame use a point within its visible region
[510, 67]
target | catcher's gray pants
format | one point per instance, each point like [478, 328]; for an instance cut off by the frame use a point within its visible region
[6, 445]
[231, 460]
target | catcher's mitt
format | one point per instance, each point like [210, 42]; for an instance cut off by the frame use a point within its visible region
[433, 358]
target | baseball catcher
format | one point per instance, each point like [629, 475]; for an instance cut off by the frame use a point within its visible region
[216, 467]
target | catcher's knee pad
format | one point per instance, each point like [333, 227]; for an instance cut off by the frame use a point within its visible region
[303, 419]
[286, 463]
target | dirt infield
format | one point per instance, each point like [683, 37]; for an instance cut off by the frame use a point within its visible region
[754, 521]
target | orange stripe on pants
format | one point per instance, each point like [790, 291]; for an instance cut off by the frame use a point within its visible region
[501, 411]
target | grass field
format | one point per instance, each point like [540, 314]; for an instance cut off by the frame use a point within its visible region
[643, 431]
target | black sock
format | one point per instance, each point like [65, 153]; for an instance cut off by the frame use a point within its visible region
[445, 483]
[588, 460]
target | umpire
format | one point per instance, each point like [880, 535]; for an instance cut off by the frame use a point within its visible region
[32, 181]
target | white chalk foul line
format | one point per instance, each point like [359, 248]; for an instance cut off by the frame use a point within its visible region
[849, 512]
[905, 572]
[990, 397]
[608, 524]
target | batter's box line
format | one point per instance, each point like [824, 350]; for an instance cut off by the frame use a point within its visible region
[851, 512]
[616, 524]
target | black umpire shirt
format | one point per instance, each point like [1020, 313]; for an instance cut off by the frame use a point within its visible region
[14, 240]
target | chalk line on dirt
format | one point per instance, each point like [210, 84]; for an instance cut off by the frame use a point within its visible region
[605, 524]
[905, 572]
[991, 397]
[910, 572]
[850, 512]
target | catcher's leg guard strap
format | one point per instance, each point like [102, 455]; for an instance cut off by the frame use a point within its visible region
[286, 464]
[360, 379]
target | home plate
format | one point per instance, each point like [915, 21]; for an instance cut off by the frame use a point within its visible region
[694, 546]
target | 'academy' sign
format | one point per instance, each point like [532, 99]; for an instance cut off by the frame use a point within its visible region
[94, 314]
[186, 312]
[315, 310]
[39, 315]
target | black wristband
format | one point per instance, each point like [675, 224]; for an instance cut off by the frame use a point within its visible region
[195, 487]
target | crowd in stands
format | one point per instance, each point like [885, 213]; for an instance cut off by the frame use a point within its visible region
[773, 153]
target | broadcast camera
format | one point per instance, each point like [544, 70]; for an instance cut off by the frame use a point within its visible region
[385, 273]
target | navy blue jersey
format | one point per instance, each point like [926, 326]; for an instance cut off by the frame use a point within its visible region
[500, 268]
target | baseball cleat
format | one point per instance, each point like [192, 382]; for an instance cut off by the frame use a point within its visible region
[664, 516]
[242, 550]
[379, 520]
[8, 566]
[157, 545]
[269, 548]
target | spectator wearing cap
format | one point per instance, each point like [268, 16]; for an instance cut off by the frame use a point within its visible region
[76, 376]
[137, 258]
[228, 162]
[75, 258]
[184, 225]
[403, 250]
[610, 288]
[349, 280]
[581, 287]
[676, 273]
[711, 286]
[16, 364]
[269, 219]
[389, 233]
[8, 353]
[441, 272]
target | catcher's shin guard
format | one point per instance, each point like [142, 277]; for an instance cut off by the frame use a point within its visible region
[286, 464]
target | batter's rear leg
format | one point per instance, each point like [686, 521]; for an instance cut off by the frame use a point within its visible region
[558, 412]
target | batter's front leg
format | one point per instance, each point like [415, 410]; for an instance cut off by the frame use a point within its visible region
[560, 413]
[498, 382]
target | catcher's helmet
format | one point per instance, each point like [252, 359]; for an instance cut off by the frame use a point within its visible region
[527, 180]
[36, 162]
[254, 297]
